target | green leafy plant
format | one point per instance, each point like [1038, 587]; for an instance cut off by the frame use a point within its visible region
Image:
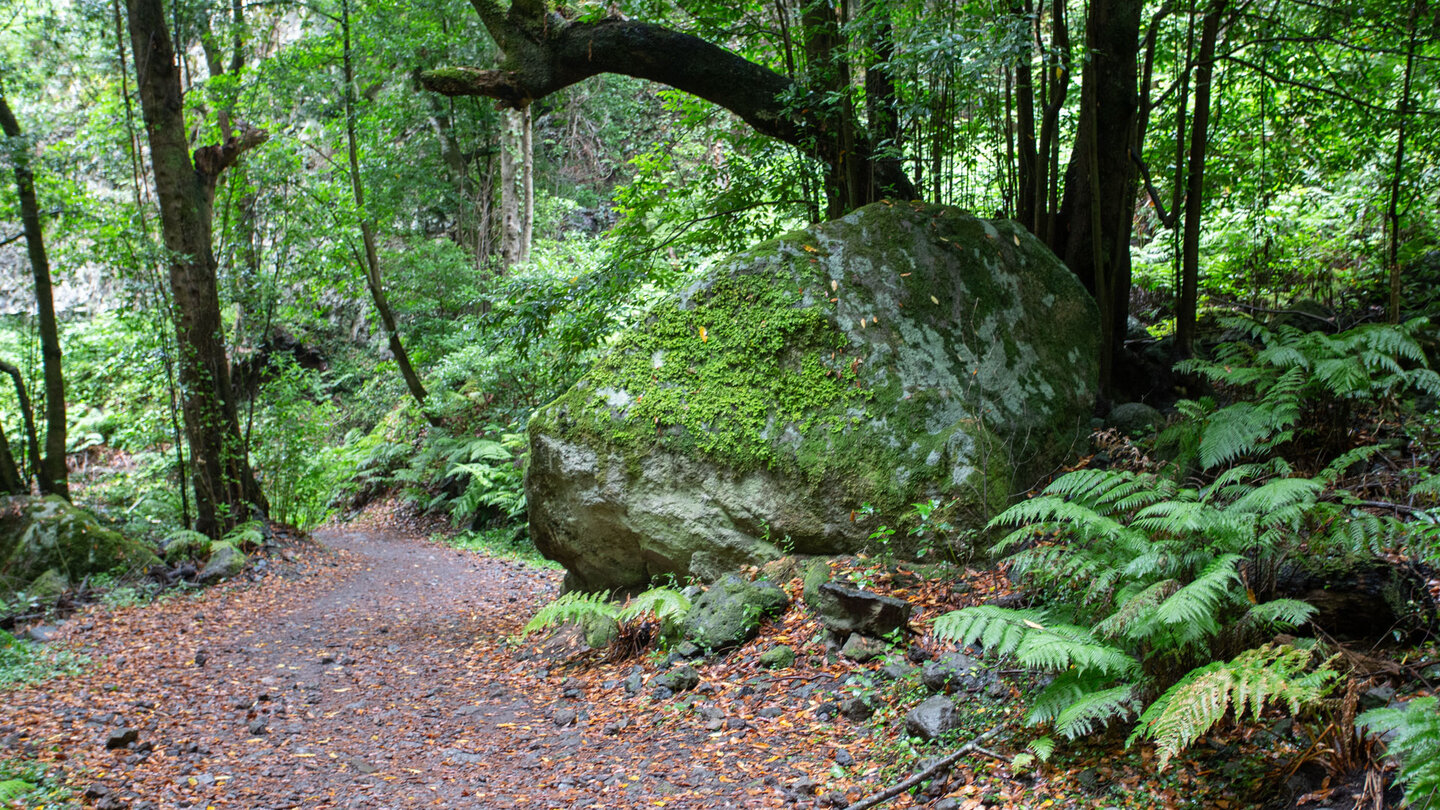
[572, 608]
[14, 789]
[1293, 384]
[21, 662]
[1415, 741]
[666, 606]
[1147, 581]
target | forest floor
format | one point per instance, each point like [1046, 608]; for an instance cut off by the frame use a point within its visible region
[373, 668]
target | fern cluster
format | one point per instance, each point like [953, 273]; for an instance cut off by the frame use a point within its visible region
[490, 466]
[1288, 382]
[666, 606]
[1415, 740]
[1145, 580]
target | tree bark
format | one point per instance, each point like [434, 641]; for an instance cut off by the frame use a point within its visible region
[1093, 226]
[1025, 144]
[513, 159]
[1055, 89]
[544, 52]
[27, 415]
[1195, 183]
[51, 472]
[373, 279]
[226, 492]
[1392, 212]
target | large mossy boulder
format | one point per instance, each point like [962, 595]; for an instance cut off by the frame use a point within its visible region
[903, 352]
[40, 534]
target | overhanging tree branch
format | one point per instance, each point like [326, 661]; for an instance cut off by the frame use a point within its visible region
[544, 52]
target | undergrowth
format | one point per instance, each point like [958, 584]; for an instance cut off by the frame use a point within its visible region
[1156, 592]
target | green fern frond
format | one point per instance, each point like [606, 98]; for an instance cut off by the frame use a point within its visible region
[1233, 432]
[667, 605]
[1095, 710]
[1042, 748]
[185, 536]
[1250, 681]
[1429, 484]
[1060, 647]
[1414, 739]
[1197, 602]
[1135, 605]
[574, 606]
[1343, 375]
[998, 630]
[1345, 461]
[1426, 380]
[246, 534]
[1278, 494]
[1281, 614]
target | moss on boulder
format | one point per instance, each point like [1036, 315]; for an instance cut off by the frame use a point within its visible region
[37, 534]
[903, 352]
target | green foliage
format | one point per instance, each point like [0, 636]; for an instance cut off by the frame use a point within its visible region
[496, 477]
[21, 662]
[14, 789]
[1254, 680]
[571, 608]
[664, 605]
[1149, 584]
[1296, 384]
[26, 783]
[298, 471]
[1415, 741]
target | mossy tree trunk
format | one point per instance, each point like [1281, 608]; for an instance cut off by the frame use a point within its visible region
[226, 491]
[50, 470]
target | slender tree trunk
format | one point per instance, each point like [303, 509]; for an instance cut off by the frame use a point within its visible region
[27, 414]
[226, 492]
[527, 183]
[10, 481]
[1195, 184]
[1392, 212]
[52, 472]
[373, 278]
[881, 99]
[1025, 144]
[1056, 88]
[512, 162]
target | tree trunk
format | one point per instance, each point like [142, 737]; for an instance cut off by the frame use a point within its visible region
[226, 492]
[1195, 184]
[527, 184]
[27, 415]
[827, 69]
[52, 472]
[1025, 145]
[1392, 212]
[511, 162]
[10, 481]
[1093, 227]
[373, 279]
[546, 52]
[1055, 89]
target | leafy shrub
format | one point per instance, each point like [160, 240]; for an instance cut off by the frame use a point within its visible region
[298, 471]
[1416, 743]
[1294, 384]
[1147, 582]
